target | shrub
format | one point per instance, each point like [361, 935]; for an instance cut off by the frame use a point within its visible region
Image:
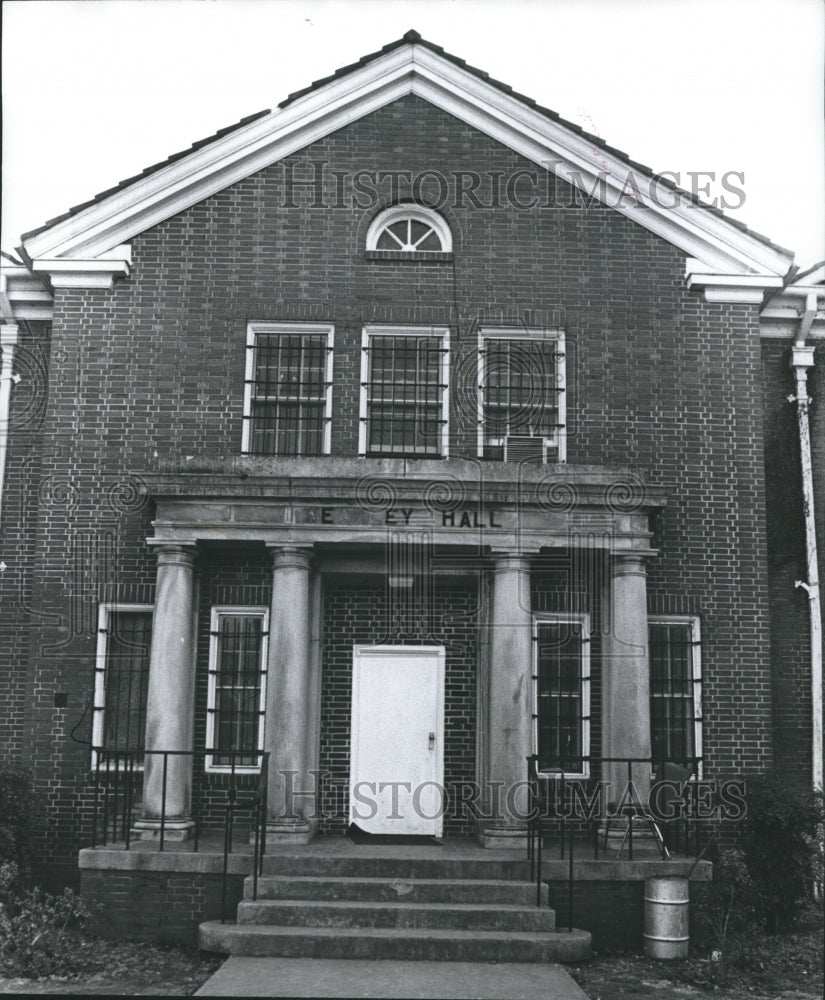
[38, 930]
[781, 844]
[728, 912]
[20, 814]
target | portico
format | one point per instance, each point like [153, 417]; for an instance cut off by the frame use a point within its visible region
[354, 520]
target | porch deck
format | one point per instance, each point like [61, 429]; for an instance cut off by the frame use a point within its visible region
[207, 856]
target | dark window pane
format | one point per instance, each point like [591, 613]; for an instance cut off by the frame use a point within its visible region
[521, 388]
[289, 394]
[126, 679]
[404, 409]
[672, 712]
[238, 680]
[559, 696]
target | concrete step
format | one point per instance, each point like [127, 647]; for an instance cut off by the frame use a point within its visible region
[400, 944]
[439, 890]
[387, 866]
[336, 913]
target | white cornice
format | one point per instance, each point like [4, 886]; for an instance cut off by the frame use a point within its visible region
[24, 296]
[410, 69]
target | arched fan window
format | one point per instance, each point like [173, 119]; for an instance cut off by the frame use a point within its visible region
[409, 229]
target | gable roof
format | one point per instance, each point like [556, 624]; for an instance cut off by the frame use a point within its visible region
[97, 230]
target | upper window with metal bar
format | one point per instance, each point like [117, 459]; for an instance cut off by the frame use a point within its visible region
[288, 389]
[521, 404]
[408, 230]
[404, 401]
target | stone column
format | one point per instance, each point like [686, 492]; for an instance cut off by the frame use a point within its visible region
[510, 700]
[288, 707]
[626, 675]
[170, 710]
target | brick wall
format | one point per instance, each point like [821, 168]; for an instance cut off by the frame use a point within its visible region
[157, 906]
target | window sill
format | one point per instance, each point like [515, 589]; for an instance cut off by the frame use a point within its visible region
[430, 256]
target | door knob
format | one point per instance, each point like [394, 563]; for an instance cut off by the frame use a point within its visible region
[432, 741]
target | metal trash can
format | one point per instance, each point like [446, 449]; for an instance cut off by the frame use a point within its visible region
[666, 933]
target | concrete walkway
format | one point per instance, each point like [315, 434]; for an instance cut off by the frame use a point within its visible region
[322, 977]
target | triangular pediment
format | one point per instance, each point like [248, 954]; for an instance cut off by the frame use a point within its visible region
[98, 232]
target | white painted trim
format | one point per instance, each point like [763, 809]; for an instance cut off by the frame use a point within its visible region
[364, 395]
[219, 610]
[104, 613]
[397, 213]
[363, 651]
[376, 330]
[523, 333]
[408, 69]
[23, 295]
[572, 618]
[694, 622]
[255, 327]
[82, 273]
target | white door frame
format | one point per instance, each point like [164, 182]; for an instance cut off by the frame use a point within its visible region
[363, 651]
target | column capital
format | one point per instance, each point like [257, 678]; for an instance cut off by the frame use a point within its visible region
[174, 553]
[630, 562]
[290, 556]
[507, 562]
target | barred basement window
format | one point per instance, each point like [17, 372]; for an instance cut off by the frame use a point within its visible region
[522, 408]
[404, 392]
[675, 689]
[121, 685]
[409, 229]
[237, 688]
[561, 689]
[288, 389]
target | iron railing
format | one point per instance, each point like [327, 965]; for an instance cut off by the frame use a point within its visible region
[570, 803]
[216, 799]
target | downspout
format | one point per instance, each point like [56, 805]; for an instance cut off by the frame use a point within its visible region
[8, 342]
[802, 358]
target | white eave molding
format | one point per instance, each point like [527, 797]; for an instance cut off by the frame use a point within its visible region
[722, 287]
[99, 272]
[24, 296]
[722, 248]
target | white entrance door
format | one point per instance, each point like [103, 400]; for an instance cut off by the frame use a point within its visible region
[397, 758]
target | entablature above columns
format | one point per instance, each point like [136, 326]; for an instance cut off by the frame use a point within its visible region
[305, 502]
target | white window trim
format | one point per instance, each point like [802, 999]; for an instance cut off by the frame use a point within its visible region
[217, 612]
[444, 375]
[543, 618]
[696, 663]
[397, 213]
[252, 331]
[104, 616]
[520, 333]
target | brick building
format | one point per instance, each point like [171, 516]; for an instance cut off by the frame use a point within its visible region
[393, 436]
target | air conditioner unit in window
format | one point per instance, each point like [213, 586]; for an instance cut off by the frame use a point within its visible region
[525, 448]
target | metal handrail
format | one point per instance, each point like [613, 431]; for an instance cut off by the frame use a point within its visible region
[559, 787]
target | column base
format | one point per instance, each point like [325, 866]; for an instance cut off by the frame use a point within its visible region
[173, 829]
[286, 831]
[508, 838]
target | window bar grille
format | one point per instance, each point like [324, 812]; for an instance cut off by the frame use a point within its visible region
[674, 689]
[238, 678]
[520, 392]
[125, 681]
[562, 722]
[289, 395]
[405, 388]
